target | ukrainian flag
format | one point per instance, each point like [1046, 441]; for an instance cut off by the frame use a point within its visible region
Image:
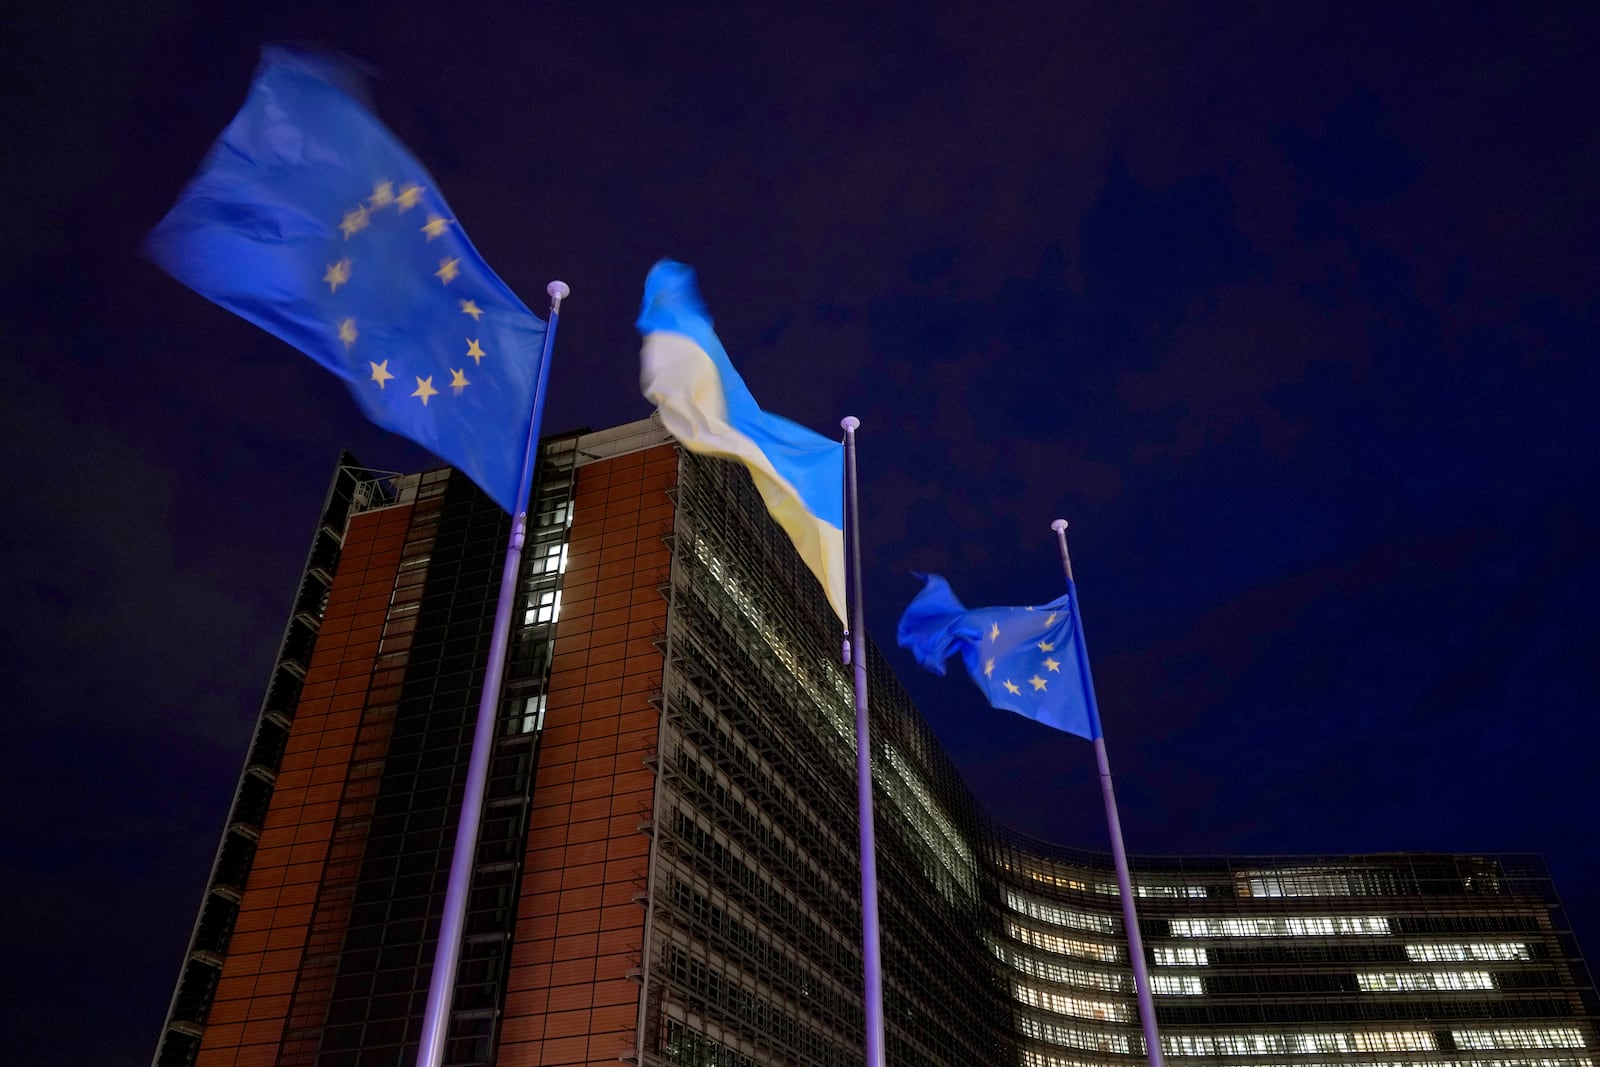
[686, 373]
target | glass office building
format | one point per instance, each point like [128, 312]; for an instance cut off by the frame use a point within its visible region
[667, 870]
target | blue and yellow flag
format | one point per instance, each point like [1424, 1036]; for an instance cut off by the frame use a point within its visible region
[312, 221]
[704, 403]
[1027, 660]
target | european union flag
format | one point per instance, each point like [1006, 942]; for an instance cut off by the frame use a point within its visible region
[312, 221]
[1027, 660]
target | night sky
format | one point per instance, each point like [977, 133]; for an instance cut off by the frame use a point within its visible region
[1289, 309]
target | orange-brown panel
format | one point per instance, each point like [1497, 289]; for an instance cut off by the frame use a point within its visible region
[562, 1051]
[558, 1024]
[277, 906]
[588, 799]
[618, 949]
[265, 1055]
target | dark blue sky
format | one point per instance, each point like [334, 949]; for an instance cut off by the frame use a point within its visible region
[1290, 310]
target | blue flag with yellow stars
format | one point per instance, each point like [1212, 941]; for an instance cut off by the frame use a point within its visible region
[1027, 660]
[312, 221]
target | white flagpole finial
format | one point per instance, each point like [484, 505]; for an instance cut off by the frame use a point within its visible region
[849, 422]
[558, 291]
[1060, 527]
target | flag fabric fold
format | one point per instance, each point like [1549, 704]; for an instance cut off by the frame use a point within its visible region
[1029, 660]
[311, 220]
[686, 373]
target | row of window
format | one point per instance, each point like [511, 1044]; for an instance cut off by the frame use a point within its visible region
[1064, 946]
[734, 811]
[778, 965]
[1032, 1057]
[738, 875]
[690, 1048]
[1110, 1011]
[1520, 1037]
[1298, 1044]
[730, 999]
[913, 800]
[831, 706]
[1282, 926]
[1070, 1036]
[1286, 882]
[1056, 971]
[1471, 950]
[1423, 981]
[1059, 916]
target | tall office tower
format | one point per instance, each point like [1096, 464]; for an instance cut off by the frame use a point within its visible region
[667, 870]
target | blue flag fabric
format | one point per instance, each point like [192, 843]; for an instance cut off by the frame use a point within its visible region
[312, 221]
[1027, 660]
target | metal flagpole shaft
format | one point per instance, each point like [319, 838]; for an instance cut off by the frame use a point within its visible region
[1130, 916]
[872, 962]
[442, 985]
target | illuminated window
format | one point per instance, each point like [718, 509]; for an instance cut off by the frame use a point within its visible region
[1393, 1041]
[1066, 1004]
[556, 515]
[543, 607]
[1180, 957]
[1308, 926]
[1061, 881]
[1460, 953]
[530, 716]
[1154, 892]
[1301, 1043]
[916, 801]
[1050, 913]
[1315, 882]
[1073, 1037]
[1032, 1057]
[1065, 946]
[1423, 981]
[1051, 971]
[549, 559]
[1520, 1037]
[1187, 985]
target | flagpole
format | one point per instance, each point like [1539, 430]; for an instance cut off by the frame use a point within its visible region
[442, 985]
[1130, 917]
[872, 963]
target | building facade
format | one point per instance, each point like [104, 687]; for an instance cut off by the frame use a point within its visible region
[667, 870]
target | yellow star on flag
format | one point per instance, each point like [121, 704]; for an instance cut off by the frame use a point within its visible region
[338, 274]
[409, 198]
[380, 372]
[1052, 664]
[988, 667]
[448, 269]
[470, 307]
[347, 332]
[1012, 687]
[1051, 621]
[1037, 682]
[1046, 646]
[435, 226]
[994, 632]
[475, 351]
[458, 380]
[425, 389]
[354, 222]
[382, 195]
